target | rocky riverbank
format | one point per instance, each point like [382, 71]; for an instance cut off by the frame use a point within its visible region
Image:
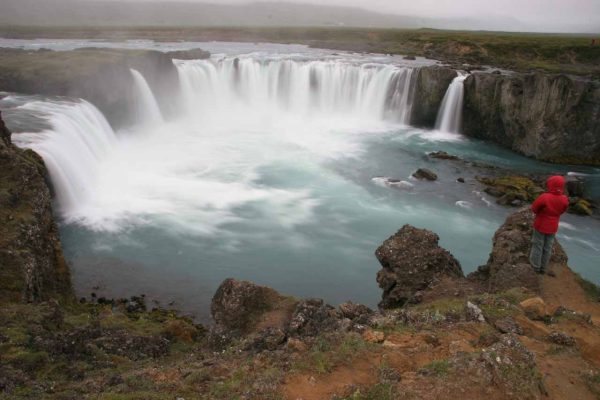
[502, 332]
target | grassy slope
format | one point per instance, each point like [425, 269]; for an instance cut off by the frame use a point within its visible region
[520, 51]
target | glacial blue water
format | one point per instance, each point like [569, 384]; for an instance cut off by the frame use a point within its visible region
[287, 196]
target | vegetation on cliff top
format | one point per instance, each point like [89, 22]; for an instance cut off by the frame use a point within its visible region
[554, 53]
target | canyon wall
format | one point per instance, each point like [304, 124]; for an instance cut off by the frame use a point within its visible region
[553, 118]
[430, 86]
[100, 76]
[32, 266]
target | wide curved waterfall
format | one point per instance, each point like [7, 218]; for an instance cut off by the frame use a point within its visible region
[449, 117]
[373, 91]
[287, 169]
[146, 106]
[80, 138]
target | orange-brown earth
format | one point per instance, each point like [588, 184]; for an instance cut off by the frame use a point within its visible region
[565, 372]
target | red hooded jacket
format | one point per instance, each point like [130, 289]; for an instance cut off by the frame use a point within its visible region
[550, 206]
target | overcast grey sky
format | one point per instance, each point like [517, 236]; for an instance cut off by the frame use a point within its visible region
[538, 14]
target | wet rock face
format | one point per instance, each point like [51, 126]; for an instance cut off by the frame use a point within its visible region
[32, 267]
[549, 117]
[237, 305]
[411, 261]
[100, 76]
[430, 86]
[508, 265]
[424, 173]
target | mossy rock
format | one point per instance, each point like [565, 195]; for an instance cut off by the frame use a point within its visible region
[582, 207]
[512, 188]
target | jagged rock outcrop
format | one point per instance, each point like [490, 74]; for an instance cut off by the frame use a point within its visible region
[238, 305]
[430, 86]
[412, 260]
[549, 117]
[508, 265]
[32, 266]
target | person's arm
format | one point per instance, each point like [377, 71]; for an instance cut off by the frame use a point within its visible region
[538, 205]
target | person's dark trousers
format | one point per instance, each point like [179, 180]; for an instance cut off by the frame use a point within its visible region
[541, 250]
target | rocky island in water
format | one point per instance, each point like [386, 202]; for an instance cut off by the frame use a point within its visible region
[220, 214]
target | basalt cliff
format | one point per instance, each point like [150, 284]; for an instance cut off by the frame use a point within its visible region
[553, 118]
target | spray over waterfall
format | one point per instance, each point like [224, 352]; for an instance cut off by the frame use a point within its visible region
[259, 106]
[79, 140]
[146, 106]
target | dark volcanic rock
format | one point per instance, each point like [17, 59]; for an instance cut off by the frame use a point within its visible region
[508, 265]
[193, 54]
[411, 261]
[430, 86]
[32, 267]
[356, 312]
[312, 317]
[575, 187]
[549, 117]
[424, 173]
[508, 325]
[237, 305]
[442, 155]
[561, 338]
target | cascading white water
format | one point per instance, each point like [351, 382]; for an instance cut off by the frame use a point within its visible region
[146, 106]
[449, 116]
[372, 91]
[78, 141]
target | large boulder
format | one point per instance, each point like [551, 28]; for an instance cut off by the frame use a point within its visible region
[239, 305]
[412, 260]
[508, 265]
[313, 317]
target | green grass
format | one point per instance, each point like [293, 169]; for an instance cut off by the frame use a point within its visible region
[437, 368]
[381, 391]
[591, 290]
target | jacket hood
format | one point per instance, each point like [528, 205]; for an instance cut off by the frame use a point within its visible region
[556, 184]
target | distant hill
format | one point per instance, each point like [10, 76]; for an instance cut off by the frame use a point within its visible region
[156, 13]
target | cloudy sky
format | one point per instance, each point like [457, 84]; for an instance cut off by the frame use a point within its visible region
[511, 15]
[536, 14]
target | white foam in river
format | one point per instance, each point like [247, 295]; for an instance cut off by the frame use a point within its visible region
[239, 116]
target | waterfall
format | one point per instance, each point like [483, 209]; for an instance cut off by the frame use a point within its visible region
[79, 139]
[450, 114]
[372, 91]
[147, 109]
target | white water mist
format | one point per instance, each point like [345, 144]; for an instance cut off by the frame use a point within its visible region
[449, 117]
[371, 91]
[146, 106]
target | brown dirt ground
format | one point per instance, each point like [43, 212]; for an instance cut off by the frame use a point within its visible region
[563, 368]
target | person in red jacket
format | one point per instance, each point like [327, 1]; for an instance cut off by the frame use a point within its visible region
[547, 208]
